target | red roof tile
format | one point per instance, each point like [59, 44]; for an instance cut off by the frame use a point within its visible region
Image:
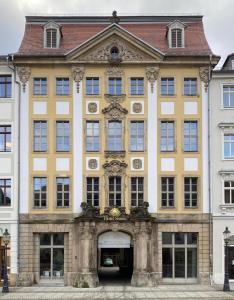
[155, 34]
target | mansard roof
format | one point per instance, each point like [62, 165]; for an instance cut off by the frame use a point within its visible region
[150, 29]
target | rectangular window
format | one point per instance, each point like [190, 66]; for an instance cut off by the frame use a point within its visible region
[176, 38]
[228, 96]
[63, 191]
[137, 135]
[51, 258]
[115, 191]
[228, 145]
[62, 86]
[190, 192]
[179, 255]
[115, 136]
[167, 86]
[5, 192]
[137, 191]
[168, 191]
[92, 86]
[40, 86]
[62, 136]
[92, 191]
[190, 86]
[190, 136]
[5, 138]
[228, 192]
[40, 136]
[167, 136]
[137, 86]
[40, 192]
[92, 136]
[115, 85]
[5, 86]
[51, 38]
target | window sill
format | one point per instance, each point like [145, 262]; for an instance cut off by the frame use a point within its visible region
[166, 96]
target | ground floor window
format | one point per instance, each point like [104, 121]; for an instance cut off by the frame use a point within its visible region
[179, 255]
[51, 255]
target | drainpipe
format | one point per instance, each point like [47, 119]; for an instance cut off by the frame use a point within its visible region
[209, 177]
[13, 68]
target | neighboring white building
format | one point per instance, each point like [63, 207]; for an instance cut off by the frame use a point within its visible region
[222, 164]
[9, 108]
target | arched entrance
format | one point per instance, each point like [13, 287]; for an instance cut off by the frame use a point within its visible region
[115, 258]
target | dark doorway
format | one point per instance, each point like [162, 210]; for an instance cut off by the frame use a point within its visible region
[115, 266]
[231, 262]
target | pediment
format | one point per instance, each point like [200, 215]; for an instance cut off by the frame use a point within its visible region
[131, 49]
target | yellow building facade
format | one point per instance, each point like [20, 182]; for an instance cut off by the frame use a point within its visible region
[114, 151]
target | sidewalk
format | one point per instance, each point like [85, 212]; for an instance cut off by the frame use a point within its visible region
[168, 292]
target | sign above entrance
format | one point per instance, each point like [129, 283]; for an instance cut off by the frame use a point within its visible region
[112, 239]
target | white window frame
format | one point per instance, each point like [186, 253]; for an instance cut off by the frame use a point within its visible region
[52, 25]
[226, 130]
[12, 137]
[225, 176]
[222, 85]
[176, 25]
[12, 192]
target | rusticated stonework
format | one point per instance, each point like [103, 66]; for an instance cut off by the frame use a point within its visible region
[137, 107]
[152, 75]
[92, 107]
[24, 74]
[78, 74]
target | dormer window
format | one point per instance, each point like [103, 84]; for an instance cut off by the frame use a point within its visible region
[176, 34]
[51, 35]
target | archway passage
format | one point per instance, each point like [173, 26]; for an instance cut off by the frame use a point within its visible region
[115, 258]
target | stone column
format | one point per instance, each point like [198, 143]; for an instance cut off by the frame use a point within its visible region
[87, 263]
[142, 255]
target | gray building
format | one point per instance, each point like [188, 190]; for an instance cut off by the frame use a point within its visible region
[222, 164]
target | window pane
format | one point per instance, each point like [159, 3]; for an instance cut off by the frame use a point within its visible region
[179, 238]
[45, 239]
[167, 238]
[167, 262]
[179, 263]
[58, 239]
[191, 262]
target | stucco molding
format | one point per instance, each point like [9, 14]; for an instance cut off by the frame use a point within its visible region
[204, 76]
[115, 98]
[24, 75]
[114, 112]
[115, 168]
[78, 74]
[114, 71]
[152, 75]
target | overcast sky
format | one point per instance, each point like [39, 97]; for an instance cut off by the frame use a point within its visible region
[218, 16]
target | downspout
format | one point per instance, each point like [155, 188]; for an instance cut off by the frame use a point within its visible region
[18, 163]
[209, 177]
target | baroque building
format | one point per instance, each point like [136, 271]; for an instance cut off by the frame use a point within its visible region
[114, 167]
[9, 153]
[222, 165]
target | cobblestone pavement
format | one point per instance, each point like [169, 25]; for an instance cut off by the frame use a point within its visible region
[118, 292]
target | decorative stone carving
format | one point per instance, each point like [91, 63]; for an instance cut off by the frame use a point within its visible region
[114, 71]
[115, 98]
[126, 52]
[92, 107]
[152, 76]
[77, 74]
[115, 154]
[88, 211]
[137, 164]
[93, 164]
[114, 19]
[115, 213]
[204, 76]
[137, 107]
[227, 209]
[140, 212]
[24, 74]
[115, 168]
[114, 111]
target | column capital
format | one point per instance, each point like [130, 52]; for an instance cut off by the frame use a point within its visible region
[78, 74]
[204, 76]
[24, 74]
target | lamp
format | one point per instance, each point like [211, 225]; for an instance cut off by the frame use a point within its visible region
[6, 240]
[226, 237]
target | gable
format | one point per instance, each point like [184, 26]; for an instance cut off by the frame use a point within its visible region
[131, 49]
